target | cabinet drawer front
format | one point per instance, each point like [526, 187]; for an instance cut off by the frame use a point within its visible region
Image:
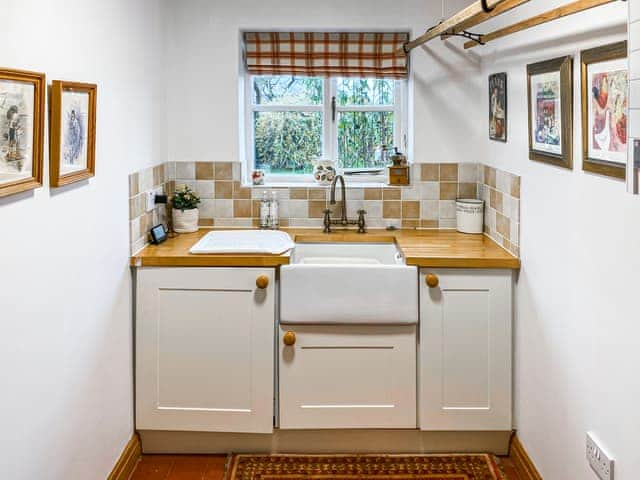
[205, 350]
[465, 350]
[348, 377]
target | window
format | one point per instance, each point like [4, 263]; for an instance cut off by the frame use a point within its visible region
[293, 120]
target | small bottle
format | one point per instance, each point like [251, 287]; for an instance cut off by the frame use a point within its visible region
[265, 210]
[273, 211]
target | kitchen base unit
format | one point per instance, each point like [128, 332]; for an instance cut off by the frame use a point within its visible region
[347, 376]
[465, 349]
[205, 349]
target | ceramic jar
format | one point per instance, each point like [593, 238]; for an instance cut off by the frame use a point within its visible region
[185, 221]
[324, 171]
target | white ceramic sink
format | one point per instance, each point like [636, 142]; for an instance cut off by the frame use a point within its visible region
[348, 283]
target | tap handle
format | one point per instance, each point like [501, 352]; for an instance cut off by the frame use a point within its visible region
[362, 226]
[327, 221]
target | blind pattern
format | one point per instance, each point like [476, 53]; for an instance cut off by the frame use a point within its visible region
[361, 54]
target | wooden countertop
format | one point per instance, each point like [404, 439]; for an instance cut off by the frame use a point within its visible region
[422, 248]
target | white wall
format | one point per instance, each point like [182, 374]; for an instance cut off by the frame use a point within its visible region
[66, 407]
[203, 40]
[577, 310]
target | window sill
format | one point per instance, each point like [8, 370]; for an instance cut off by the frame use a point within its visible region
[349, 184]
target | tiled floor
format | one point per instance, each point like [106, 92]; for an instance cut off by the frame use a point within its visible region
[211, 467]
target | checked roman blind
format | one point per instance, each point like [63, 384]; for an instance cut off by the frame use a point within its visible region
[331, 54]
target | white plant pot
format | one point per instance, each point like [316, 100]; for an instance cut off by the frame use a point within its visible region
[185, 221]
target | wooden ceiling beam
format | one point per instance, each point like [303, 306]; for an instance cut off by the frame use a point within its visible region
[451, 23]
[548, 16]
[484, 16]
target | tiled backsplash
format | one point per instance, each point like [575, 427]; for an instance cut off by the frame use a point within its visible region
[159, 180]
[500, 191]
[429, 202]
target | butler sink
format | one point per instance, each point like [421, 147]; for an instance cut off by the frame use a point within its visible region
[348, 283]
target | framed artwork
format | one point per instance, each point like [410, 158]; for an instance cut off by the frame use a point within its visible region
[498, 107]
[73, 132]
[550, 97]
[605, 94]
[21, 130]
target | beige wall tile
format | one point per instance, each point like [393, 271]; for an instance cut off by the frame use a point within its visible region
[448, 172]
[466, 190]
[207, 208]
[468, 172]
[158, 175]
[430, 172]
[391, 209]
[242, 208]
[185, 170]
[373, 194]
[410, 209]
[317, 208]
[429, 224]
[204, 170]
[298, 193]
[503, 226]
[410, 223]
[515, 186]
[205, 188]
[223, 209]
[205, 222]
[430, 209]
[240, 192]
[496, 200]
[224, 189]
[373, 208]
[391, 194]
[490, 176]
[447, 209]
[223, 170]
[133, 185]
[448, 190]
[317, 193]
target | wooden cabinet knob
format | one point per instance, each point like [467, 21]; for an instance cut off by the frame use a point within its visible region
[432, 280]
[289, 338]
[262, 281]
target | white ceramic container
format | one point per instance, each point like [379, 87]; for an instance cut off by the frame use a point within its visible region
[469, 215]
[185, 221]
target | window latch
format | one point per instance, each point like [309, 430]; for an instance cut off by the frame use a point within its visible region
[333, 109]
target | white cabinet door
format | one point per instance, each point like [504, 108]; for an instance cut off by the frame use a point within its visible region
[204, 349]
[348, 377]
[465, 350]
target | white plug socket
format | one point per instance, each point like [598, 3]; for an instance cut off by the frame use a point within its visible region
[600, 461]
[150, 200]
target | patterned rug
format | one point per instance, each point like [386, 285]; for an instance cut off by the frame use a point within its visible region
[365, 467]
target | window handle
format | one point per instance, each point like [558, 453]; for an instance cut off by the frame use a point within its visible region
[333, 109]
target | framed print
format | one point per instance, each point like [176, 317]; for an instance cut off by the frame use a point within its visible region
[549, 93]
[21, 130]
[498, 107]
[605, 94]
[73, 132]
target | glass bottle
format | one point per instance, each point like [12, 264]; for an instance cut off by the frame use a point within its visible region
[273, 211]
[265, 210]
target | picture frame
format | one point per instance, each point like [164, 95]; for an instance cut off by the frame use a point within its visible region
[72, 142]
[21, 130]
[498, 107]
[605, 96]
[550, 107]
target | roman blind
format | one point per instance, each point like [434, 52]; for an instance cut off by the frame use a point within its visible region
[333, 54]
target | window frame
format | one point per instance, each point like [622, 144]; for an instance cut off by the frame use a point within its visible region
[329, 130]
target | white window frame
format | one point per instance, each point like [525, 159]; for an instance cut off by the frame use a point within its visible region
[329, 127]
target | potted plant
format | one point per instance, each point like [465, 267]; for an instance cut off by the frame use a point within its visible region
[185, 210]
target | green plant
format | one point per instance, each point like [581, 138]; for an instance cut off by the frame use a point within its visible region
[184, 198]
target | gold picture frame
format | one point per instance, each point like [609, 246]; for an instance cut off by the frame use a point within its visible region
[72, 142]
[605, 92]
[550, 88]
[21, 130]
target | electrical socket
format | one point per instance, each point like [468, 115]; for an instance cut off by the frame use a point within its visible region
[150, 200]
[600, 461]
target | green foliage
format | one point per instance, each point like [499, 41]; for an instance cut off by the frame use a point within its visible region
[184, 199]
[287, 141]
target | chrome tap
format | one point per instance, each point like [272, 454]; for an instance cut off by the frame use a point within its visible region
[344, 221]
[332, 200]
